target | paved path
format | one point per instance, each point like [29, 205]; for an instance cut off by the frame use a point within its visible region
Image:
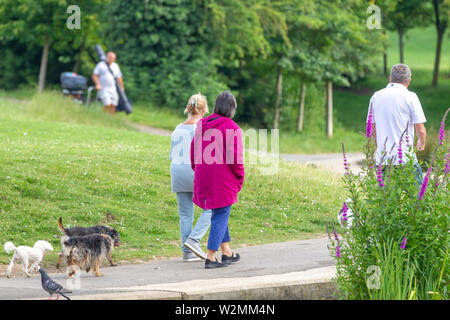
[270, 259]
[329, 161]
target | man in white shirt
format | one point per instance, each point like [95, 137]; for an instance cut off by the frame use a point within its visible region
[397, 112]
[105, 83]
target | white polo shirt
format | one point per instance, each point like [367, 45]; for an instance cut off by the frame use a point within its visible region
[394, 109]
[107, 81]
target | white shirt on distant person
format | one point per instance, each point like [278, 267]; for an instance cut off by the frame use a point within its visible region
[105, 77]
[394, 109]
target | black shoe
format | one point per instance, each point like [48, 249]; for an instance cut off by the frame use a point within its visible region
[214, 264]
[233, 259]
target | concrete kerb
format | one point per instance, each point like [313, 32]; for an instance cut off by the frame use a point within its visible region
[313, 284]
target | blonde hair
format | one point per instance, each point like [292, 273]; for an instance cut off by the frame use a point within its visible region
[197, 104]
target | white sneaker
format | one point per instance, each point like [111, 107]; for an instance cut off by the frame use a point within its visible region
[190, 257]
[195, 247]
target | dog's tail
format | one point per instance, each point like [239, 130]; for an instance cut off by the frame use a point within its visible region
[9, 247]
[61, 228]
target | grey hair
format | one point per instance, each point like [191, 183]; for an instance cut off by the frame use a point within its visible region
[225, 104]
[400, 73]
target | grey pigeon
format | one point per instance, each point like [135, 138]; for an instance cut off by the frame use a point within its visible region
[51, 286]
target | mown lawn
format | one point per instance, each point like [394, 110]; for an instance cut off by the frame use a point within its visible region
[90, 168]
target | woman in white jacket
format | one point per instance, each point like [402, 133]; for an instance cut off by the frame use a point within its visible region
[182, 179]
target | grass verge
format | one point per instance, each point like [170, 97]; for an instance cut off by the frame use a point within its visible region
[58, 161]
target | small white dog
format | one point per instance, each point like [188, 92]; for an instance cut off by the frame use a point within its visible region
[26, 255]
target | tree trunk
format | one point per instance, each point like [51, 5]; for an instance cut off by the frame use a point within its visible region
[440, 27]
[437, 59]
[80, 52]
[400, 45]
[44, 59]
[301, 108]
[278, 97]
[385, 69]
[330, 109]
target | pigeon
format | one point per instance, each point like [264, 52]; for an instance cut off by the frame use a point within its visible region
[51, 286]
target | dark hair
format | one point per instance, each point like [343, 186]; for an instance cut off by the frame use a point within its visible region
[225, 104]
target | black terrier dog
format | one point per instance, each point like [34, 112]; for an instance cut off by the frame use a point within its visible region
[82, 231]
[86, 252]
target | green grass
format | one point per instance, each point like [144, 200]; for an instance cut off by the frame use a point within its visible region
[419, 49]
[87, 165]
[356, 102]
[156, 117]
[19, 93]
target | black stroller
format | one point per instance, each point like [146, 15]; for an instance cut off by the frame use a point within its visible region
[75, 85]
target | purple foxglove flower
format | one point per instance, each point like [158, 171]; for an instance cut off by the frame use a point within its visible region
[403, 244]
[369, 128]
[380, 175]
[442, 128]
[400, 152]
[346, 164]
[344, 211]
[336, 237]
[338, 252]
[407, 140]
[426, 179]
[400, 155]
[442, 133]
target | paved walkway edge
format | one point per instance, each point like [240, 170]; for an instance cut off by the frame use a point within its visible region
[313, 284]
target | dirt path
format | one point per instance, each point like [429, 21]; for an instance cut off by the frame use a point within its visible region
[151, 130]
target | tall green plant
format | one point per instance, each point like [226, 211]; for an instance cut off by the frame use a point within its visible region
[389, 205]
[397, 274]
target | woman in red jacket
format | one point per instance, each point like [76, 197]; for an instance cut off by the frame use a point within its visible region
[217, 161]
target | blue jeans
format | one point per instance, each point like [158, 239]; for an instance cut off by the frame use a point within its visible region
[219, 228]
[186, 213]
[419, 174]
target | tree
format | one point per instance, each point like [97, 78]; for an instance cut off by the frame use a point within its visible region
[345, 47]
[88, 35]
[164, 47]
[441, 9]
[34, 22]
[251, 29]
[406, 15]
[41, 23]
[386, 8]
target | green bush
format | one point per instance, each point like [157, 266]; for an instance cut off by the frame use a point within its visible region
[162, 47]
[391, 208]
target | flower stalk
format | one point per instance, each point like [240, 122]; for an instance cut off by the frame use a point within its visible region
[380, 175]
[403, 244]
[426, 179]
